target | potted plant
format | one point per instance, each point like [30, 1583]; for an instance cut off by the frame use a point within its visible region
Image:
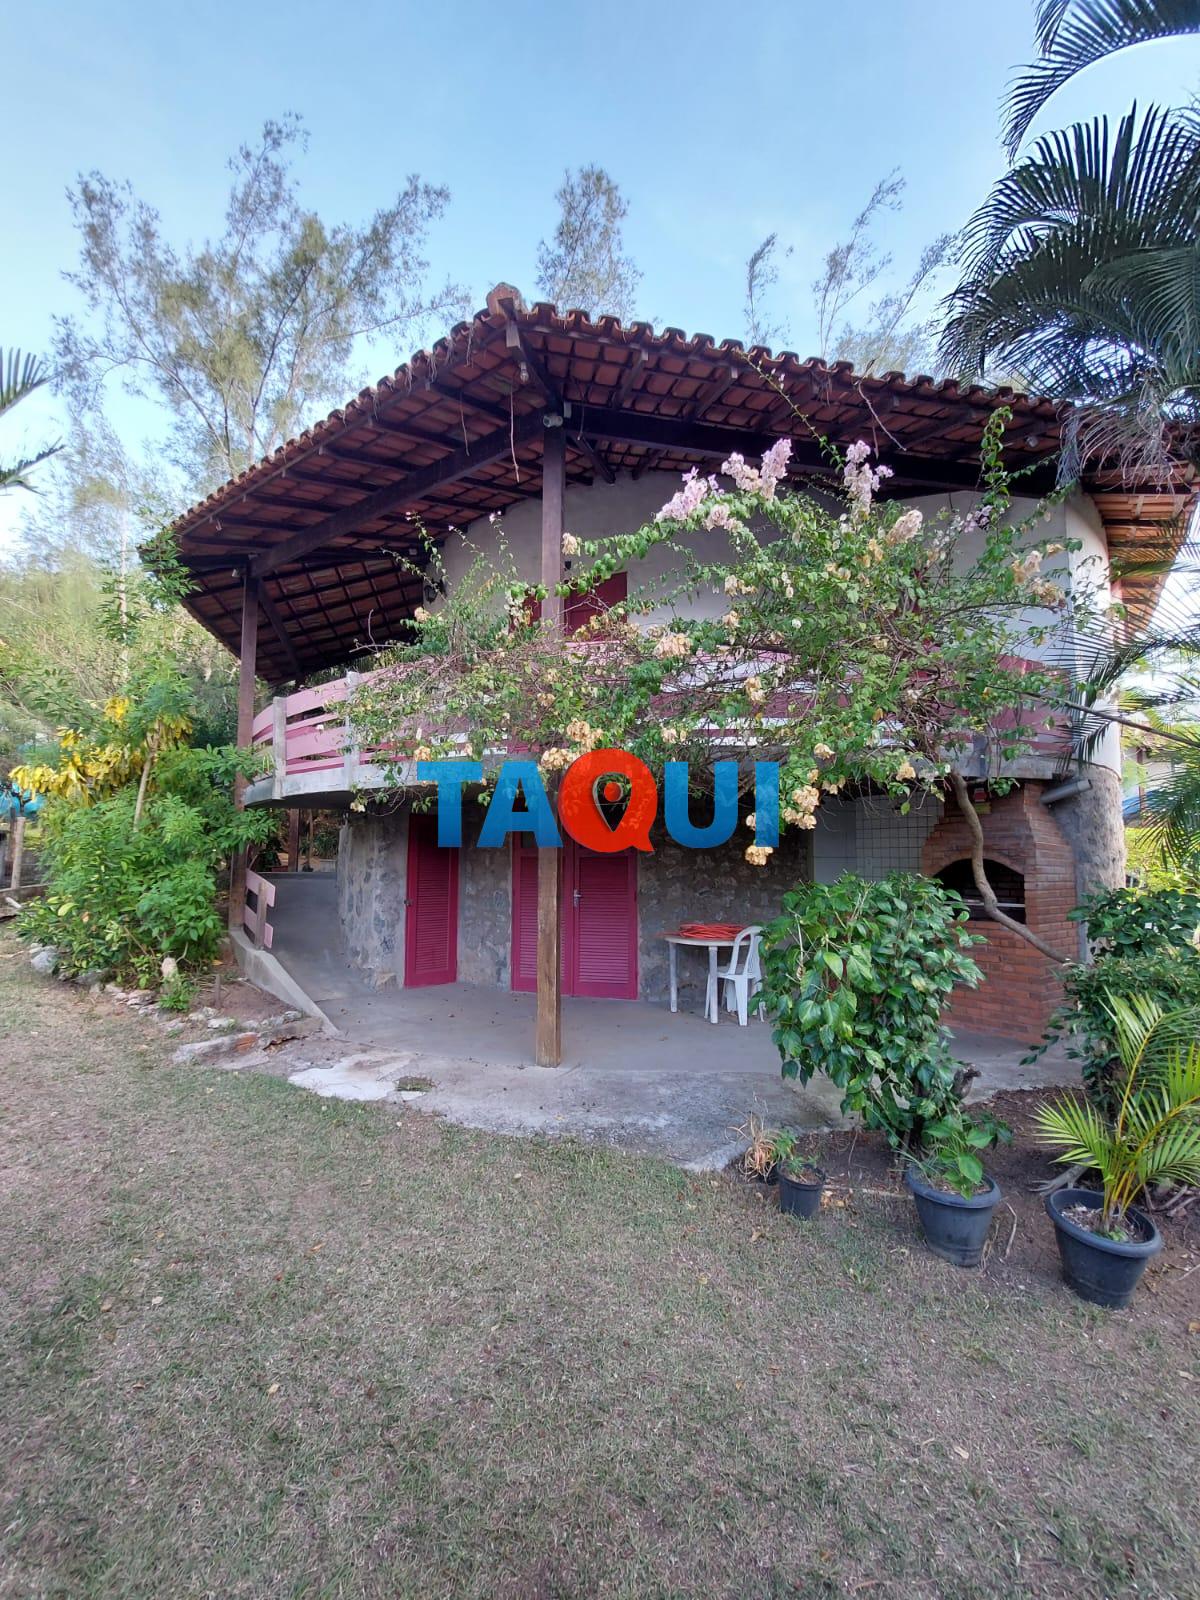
[954, 1196]
[801, 1185]
[1104, 1240]
[856, 977]
[761, 1157]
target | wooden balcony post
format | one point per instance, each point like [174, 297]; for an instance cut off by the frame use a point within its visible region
[293, 848]
[278, 744]
[247, 662]
[350, 749]
[548, 1034]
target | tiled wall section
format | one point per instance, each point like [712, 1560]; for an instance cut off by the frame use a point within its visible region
[870, 837]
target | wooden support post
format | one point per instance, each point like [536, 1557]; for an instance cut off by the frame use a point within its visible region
[278, 745]
[18, 849]
[245, 734]
[548, 1039]
[293, 841]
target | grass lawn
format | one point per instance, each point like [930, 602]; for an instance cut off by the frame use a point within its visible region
[259, 1344]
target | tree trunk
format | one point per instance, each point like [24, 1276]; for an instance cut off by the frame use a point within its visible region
[144, 782]
[986, 893]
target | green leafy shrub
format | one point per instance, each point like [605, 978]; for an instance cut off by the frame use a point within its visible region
[1142, 944]
[856, 976]
[1135, 922]
[122, 896]
[954, 1145]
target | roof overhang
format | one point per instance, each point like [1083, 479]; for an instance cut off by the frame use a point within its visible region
[329, 525]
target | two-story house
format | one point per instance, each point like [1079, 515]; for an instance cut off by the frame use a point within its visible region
[561, 422]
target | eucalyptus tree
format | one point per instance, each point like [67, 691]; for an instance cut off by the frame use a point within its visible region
[239, 338]
[584, 263]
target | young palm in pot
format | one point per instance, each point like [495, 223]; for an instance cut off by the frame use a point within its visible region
[1104, 1240]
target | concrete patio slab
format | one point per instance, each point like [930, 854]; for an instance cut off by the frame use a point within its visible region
[633, 1074]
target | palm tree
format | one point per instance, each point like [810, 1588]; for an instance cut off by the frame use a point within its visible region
[1081, 277]
[1081, 270]
[1154, 1134]
[20, 376]
[1072, 34]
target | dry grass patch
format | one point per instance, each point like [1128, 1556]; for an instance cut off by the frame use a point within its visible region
[262, 1344]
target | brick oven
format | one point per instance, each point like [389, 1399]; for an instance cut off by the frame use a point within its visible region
[1035, 880]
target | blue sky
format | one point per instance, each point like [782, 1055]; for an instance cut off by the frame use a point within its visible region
[721, 123]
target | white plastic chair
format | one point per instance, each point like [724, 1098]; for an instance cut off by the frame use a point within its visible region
[742, 976]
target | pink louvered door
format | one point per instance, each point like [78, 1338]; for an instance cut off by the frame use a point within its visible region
[431, 907]
[599, 921]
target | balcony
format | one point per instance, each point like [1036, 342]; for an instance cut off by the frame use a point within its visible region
[306, 745]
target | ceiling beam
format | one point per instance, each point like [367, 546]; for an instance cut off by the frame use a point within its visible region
[554, 398]
[460, 397]
[582, 424]
[629, 377]
[411, 488]
[271, 611]
[710, 439]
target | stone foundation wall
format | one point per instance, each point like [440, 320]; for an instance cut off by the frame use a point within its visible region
[484, 910]
[1063, 851]
[677, 885]
[372, 868]
[1093, 824]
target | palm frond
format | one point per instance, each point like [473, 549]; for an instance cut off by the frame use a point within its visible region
[16, 475]
[1133, 187]
[1173, 814]
[1152, 1041]
[1073, 34]
[20, 375]
[1075, 1129]
[1079, 276]
[1175, 1158]
[1165, 285]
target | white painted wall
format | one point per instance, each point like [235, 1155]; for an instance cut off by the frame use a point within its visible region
[593, 513]
[624, 506]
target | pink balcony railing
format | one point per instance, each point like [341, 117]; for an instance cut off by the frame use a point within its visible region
[308, 734]
[308, 731]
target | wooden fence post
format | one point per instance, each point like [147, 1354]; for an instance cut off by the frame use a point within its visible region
[18, 849]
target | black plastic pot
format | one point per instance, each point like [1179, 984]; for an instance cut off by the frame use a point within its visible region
[955, 1228]
[800, 1199]
[1104, 1271]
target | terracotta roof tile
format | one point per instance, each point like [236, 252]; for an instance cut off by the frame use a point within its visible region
[472, 384]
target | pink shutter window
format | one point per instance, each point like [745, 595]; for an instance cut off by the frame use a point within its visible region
[524, 916]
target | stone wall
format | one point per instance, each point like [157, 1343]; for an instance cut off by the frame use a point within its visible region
[372, 869]
[1093, 824]
[1063, 851]
[677, 885]
[484, 910]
